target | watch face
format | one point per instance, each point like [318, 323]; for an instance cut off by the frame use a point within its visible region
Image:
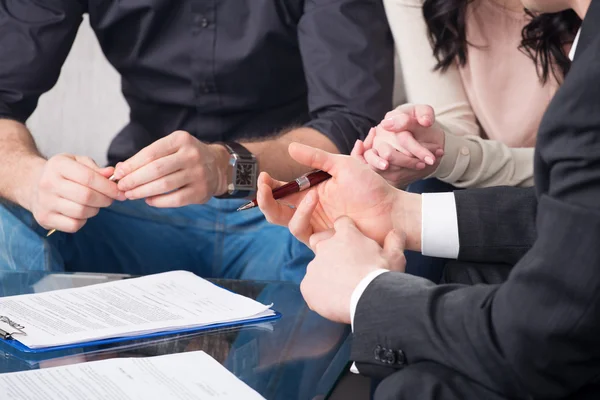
[244, 177]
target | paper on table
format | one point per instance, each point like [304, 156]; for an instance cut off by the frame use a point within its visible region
[184, 376]
[155, 303]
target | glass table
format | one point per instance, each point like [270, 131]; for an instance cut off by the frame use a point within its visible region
[300, 356]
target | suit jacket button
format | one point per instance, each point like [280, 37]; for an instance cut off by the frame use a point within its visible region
[377, 352]
[390, 357]
[400, 357]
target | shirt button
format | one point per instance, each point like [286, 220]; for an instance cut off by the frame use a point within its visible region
[204, 23]
[464, 151]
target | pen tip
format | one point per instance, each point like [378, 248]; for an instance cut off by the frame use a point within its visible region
[246, 206]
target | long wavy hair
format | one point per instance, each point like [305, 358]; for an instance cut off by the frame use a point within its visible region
[543, 38]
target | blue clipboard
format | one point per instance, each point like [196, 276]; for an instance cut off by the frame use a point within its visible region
[14, 343]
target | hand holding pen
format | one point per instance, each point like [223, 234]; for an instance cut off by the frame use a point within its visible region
[68, 190]
[354, 191]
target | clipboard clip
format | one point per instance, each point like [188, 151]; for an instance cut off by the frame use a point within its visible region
[9, 335]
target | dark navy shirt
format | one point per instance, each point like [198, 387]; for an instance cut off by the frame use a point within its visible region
[219, 69]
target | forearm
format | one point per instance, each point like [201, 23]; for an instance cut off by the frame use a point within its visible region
[470, 161]
[273, 156]
[21, 162]
[407, 218]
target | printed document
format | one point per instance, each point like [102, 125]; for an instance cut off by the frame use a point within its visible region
[184, 376]
[156, 303]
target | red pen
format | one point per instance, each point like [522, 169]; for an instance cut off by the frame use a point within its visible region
[300, 184]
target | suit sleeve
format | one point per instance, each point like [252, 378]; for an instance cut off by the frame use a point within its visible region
[35, 37]
[536, 335]
[495, 225]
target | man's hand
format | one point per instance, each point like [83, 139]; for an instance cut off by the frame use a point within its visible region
[175, 171]
[354, 190]
[343, 257]
[405, 147]
[70, 190]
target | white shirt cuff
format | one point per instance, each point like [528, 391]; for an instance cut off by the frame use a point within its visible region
[356, 295]
[439, 226]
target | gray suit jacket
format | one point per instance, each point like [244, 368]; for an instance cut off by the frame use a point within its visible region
[538, 334]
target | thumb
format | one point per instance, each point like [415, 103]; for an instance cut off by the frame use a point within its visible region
[393, 250]
[316, 158]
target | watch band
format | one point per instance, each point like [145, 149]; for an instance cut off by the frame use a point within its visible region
[243, 171]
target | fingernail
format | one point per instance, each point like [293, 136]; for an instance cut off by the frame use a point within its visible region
[121, 196]
[382, 165]
[388, 122]
[429, 160]
[426, 119]
[129, 195]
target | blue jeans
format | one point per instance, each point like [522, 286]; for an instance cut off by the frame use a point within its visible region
[211, 240]
[416, 263]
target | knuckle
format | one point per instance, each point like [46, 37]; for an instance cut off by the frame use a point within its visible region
[79, 212]
[94, 212]
[42, 217]
[180, 138]
[87, 196]
[164, 185]
[89, 178]
[159, 167]
[72, 225]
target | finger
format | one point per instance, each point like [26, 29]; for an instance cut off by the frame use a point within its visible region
[151, 172]
[266, 179]
[386, 150]
[319, 237]
[344, 224]
[408, 142]
[178, 198]
[370, 138]
[90, 163]
[80, 194]
[275, 212]
[300, 224]
[161, 148]
[358, 151]
[372, 158]
[88, 177]
[159, 186]
[64, 224]
[74, 210]
[399, 160]
[393, 249]
[316, 158]
[424, 114]
[399, 122]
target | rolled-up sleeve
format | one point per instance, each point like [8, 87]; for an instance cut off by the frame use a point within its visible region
[35, 39]
[347, 50]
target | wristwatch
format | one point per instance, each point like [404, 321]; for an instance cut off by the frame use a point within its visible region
[242, 172]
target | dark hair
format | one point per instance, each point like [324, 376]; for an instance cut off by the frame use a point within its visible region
[543, 38]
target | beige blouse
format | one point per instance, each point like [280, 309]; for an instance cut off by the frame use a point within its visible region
[497, 95]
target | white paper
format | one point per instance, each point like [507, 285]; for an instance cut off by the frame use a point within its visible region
[185, 376]
[155, 303]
